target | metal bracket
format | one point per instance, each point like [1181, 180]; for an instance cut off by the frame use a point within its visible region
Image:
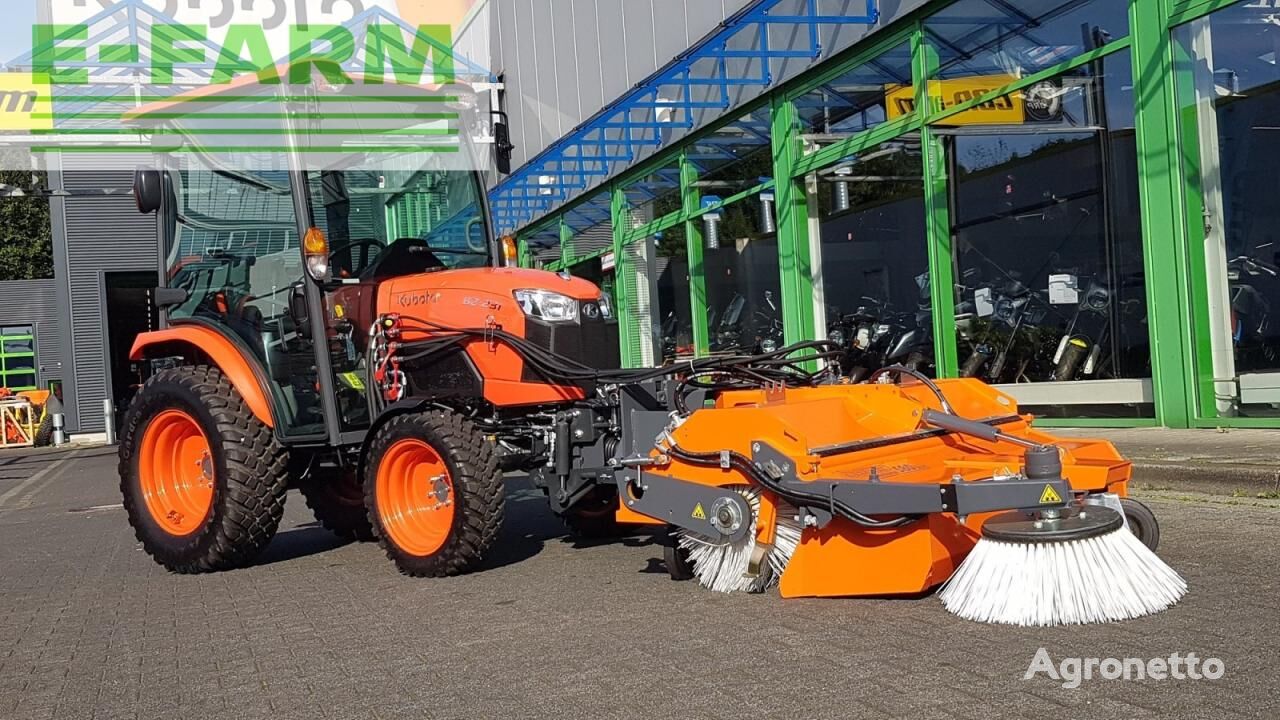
[875, 497]
[708, 511]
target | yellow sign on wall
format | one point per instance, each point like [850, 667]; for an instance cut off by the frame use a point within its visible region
[24, 104]
[945, 94]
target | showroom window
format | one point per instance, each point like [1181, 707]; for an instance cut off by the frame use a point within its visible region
[875, 258]
[653, 194]
[744, 288]
[18, 366]
[654, 274]
[1228, 83]
[859, 98]
[543, 244]
[1047, 245]
[738, 225]
[984, 44]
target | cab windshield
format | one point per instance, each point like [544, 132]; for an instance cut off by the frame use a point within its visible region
[382, 224]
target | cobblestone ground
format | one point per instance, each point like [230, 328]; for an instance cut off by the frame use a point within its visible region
[90, 627]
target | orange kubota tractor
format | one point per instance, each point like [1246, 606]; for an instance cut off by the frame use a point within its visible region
[359, 335]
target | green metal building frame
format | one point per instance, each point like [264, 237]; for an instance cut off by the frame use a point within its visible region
[1170, 205]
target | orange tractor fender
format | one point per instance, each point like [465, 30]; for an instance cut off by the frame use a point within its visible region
[221, 351]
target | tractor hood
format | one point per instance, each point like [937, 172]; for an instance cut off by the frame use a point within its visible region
[498, 281]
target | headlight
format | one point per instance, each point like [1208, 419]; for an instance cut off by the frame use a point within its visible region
[606, 306]
[768, 345]
[547, 305]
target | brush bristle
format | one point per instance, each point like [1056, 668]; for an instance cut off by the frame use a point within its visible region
[1101, 579]
[724, 567]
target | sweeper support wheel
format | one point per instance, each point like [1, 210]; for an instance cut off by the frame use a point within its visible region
[434, 493]
[676, 558]
[203, 480]
[1142, 522]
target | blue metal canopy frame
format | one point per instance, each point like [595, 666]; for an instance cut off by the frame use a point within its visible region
[736, 54]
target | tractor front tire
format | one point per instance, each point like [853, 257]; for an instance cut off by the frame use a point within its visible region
[336, 498]
[203, 480]
[434, 493]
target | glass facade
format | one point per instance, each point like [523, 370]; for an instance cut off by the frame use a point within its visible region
[860, 98]
[744, 295]
[994, 190]
[1047, 240]
[875, 257]
[1229, 85]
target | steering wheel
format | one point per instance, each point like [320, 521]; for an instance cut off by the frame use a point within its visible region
[369, 248]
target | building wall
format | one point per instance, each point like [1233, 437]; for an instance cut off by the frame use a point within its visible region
[35, 302]
[563, 60]
[94, 235]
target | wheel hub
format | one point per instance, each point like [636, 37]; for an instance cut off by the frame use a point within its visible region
[176, 472]
[415, 497]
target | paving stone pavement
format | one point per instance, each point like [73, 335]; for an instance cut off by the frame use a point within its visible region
[90, 627]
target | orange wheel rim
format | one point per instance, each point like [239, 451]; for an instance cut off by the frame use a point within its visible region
[415, 497]
[175, 466]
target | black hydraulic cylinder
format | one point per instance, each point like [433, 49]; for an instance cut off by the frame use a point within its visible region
[564, 446]
[956, 424]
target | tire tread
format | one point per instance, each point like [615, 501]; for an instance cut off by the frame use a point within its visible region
[478, 491]
[254, 484]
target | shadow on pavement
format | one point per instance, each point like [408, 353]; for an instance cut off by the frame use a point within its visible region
[528, 526]
[299, 543]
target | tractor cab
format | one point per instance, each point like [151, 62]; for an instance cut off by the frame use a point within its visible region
[283, 263]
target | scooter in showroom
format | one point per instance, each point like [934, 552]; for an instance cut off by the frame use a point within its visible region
[856, 333]
[1079, 348]
[1007, 346]
[1251, 314]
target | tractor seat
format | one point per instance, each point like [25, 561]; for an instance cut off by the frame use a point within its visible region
[406, 256]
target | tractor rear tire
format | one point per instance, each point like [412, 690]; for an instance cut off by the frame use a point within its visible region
[336, 498]
[203, 480]
[434, 493]
[594, 516]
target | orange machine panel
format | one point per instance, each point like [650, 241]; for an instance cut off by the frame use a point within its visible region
[223, 353]
[484, 298]
[818, 428]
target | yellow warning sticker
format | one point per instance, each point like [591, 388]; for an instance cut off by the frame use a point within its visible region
[1050, 496]
[699, 513]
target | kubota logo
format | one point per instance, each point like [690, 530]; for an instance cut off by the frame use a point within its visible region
[417, 299]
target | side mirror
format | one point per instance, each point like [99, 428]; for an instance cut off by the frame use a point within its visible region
[502, 146]
[147, 190]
